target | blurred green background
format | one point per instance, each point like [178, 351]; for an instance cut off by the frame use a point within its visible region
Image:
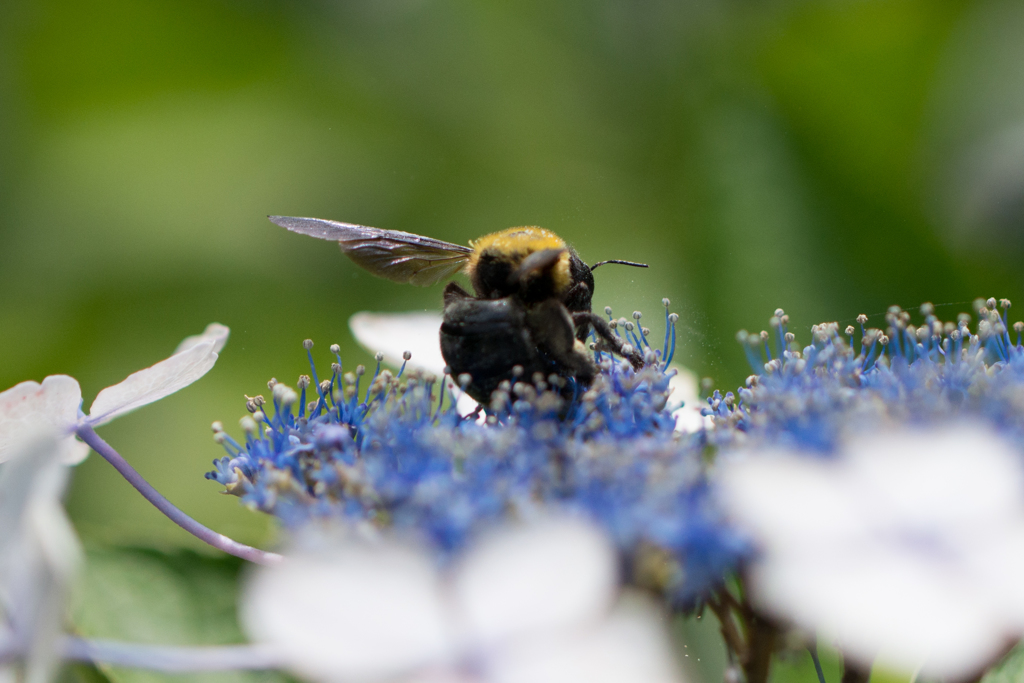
[830, 157]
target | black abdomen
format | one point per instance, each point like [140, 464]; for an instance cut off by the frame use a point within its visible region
[487, 338]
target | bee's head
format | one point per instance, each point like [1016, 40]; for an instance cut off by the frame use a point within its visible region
[519, 259]
[535, 264]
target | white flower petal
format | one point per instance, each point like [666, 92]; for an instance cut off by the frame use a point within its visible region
[39, 552]
[946, 478]
[788, 499]
[28, 407]
[214, 332]
[418, 333]
[684, 386]
[159, 380]
[630, 646]
[535, 578]
[395, 333]
[360, 612]
[884, 604]
[909, 548]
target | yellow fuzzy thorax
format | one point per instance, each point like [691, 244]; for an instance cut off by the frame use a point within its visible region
[518, 243]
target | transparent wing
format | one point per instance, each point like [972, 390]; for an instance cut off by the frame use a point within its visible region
[392, 254]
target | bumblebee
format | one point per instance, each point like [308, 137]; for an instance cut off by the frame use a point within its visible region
[531, 308]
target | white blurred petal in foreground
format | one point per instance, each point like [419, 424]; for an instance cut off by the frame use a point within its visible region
[531, 603]
[39, 551]
[908, 547]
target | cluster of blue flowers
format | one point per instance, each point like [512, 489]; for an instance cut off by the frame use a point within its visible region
[396, 454]
[393, 452]
[862, 378]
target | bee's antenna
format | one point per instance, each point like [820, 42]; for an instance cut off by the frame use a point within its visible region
[625, 263]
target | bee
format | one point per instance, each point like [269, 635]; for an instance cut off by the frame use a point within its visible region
[530, 313]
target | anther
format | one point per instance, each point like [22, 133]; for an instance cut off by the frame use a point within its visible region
[645, 330]
[861, 319]
[637, 315]
[790, 337]
[360, 370]
[991, 303]
[288, 396]
[517, 371]
[673, 318]
[248, 425]
[378, 356]
[303, 381]
[884, 339]
[406, 355]
[217, 426]
[850, 330]
[1018, 327]
[465, 379]
[779, 313]
[627, 349]
[259, 416]
[272, 383]
[608, 309]
[927, 309]
[665, 302]
[307, 344]
[764, 335]
[335, 349]
[325, 386]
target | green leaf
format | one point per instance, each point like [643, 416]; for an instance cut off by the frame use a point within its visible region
[146, 596]
[1010, 670]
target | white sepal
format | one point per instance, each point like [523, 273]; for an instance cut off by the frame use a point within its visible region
[196, 358]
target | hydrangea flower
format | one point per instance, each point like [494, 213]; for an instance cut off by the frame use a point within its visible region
[875, 520]
[397, 455]
[530, 604]
[55, 404]
[907, 546]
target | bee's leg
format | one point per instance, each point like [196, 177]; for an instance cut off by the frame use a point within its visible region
[578, 299]
[609, 338]
[453, 292]
[552, 331]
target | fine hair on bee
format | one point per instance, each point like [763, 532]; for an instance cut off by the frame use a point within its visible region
[530, 310]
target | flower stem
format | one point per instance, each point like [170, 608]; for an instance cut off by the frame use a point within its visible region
[219, 541]
[169, 658]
